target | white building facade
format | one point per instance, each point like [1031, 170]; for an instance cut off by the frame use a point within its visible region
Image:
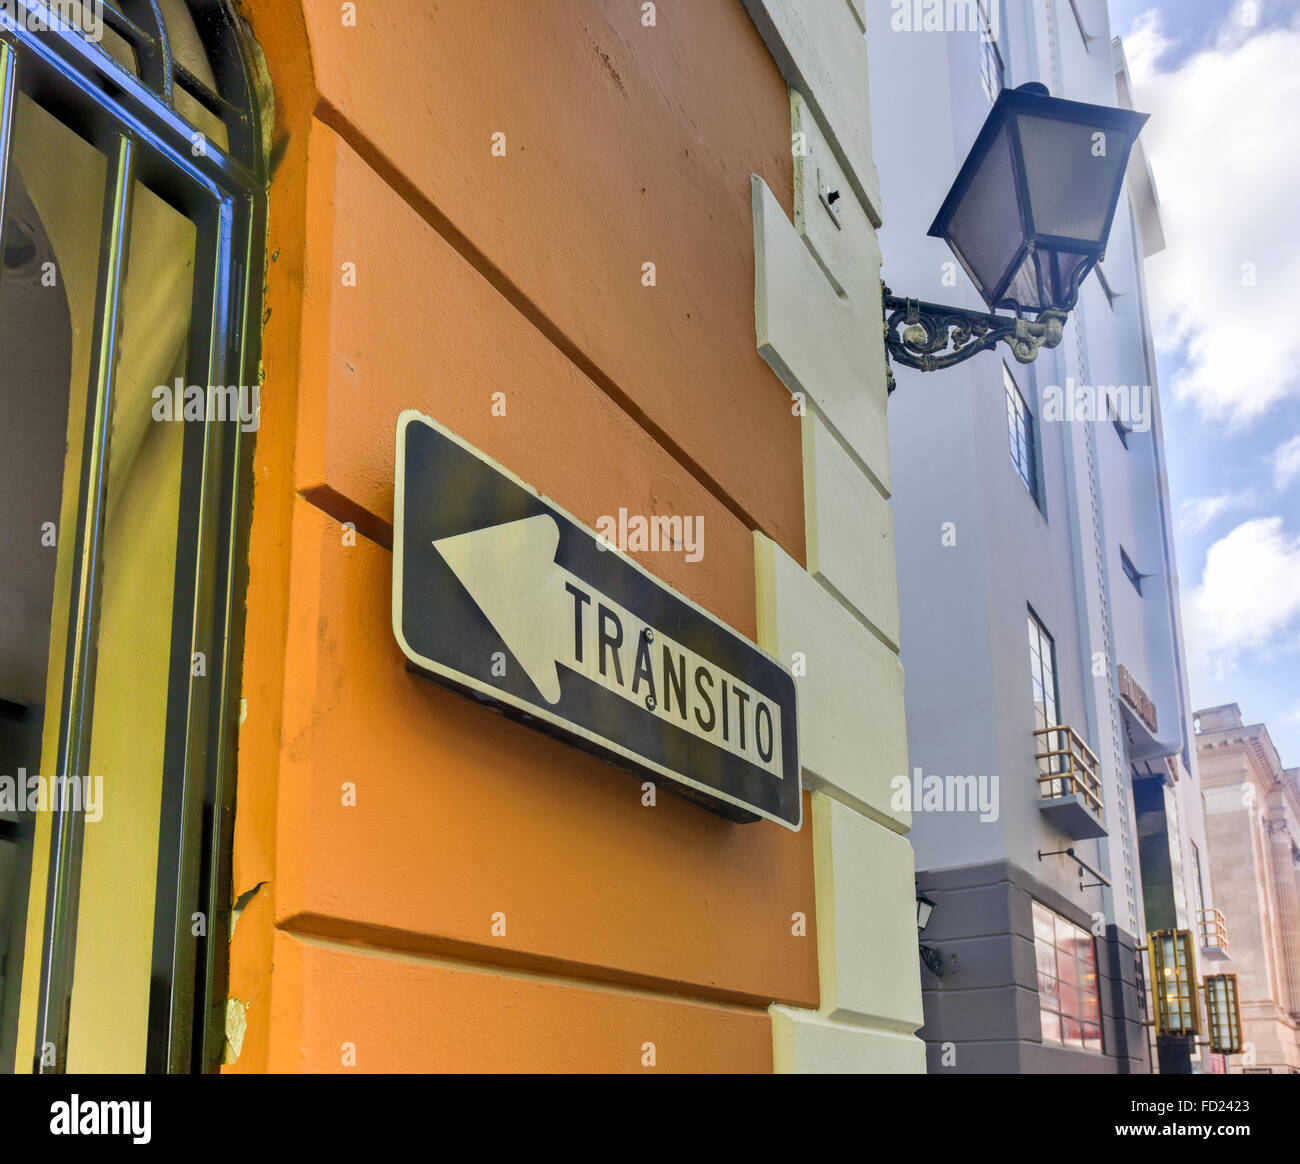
[1040, 630]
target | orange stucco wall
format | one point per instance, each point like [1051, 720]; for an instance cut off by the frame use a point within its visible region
[373, 927]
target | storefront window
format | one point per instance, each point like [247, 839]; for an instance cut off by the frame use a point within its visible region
[1069, 1000]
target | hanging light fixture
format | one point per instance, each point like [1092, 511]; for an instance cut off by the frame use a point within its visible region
[1027, 217]
[1223, 1013]
[1173, 983]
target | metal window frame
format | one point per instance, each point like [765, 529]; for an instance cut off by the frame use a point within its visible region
[1045, 634]
[133, 122]
[1028, 474]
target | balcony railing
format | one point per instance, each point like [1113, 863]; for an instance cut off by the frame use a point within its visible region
[1067, 767]
[1214, 934]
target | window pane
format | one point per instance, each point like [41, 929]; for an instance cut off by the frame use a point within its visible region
[54, 196]
[1049, 992]
[58, 187]
[1043, 680]
[1051, 1026]
[1071, 1033]
[1020, 432]
[1073, 993]
[120, 857]
[1069, 968]
[1043, 929]
[1046, 959]
[1088, 956]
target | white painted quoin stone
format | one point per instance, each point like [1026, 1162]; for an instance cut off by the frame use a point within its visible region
[849, 532]
[866, 920]
[822, 54]
[852, 733]
[817, 312]
[807, 1043]
[824, 347]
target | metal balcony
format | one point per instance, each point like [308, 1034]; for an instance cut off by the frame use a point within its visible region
[1214, 935]
[1068, 783]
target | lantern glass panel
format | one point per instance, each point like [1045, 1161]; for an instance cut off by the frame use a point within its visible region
[986, 230]
[1072, 170]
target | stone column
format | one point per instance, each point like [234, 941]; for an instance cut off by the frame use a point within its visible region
[1281, 850]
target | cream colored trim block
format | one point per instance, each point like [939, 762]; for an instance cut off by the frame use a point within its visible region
[849, 531]
[852, 731]
[838, 231]
[819, 343]
[866, 920]
[817, 314]
[807, 1043]
[820, 49]
[817, 299]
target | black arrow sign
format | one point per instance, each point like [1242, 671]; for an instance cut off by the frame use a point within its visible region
[503, 595]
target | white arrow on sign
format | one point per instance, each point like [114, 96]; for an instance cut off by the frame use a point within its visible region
[550, 618]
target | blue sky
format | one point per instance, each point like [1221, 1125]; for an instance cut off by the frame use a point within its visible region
[1221, 79]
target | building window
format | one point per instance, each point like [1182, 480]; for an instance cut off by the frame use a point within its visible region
[1020, 433]
[1198, 885]
[1069, 1000]
[1042, 668]
[991, 70]
[1130, 570]
[157, 247]
[1042, 672]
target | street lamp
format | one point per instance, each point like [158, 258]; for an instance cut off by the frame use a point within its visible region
[924, 908]
[1028, 217]
[929, 955]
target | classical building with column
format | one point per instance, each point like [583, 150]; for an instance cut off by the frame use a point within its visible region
[1252, 825]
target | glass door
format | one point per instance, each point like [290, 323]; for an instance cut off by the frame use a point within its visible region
[124, 301]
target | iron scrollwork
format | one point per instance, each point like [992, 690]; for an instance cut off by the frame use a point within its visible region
[929, 336]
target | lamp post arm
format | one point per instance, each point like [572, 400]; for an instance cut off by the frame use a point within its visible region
[930, 336]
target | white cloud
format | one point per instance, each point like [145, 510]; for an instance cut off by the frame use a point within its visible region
[1248, 601]
[1197, 512]
[1221, 139]
[1286, 462]
[1144, 44]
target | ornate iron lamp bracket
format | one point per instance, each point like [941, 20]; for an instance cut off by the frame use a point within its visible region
[930, 336]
